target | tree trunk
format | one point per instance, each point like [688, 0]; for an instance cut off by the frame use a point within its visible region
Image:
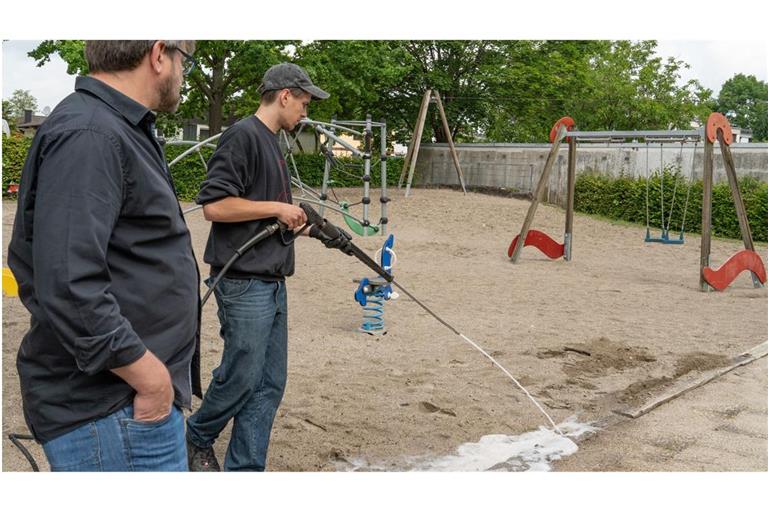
[215, 115]
[437, 128]
[437, 125]
[216, 107]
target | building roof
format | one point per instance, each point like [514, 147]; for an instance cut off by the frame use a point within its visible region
[34, 123]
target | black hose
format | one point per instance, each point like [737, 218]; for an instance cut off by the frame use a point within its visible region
[15, 440]
[258, 237]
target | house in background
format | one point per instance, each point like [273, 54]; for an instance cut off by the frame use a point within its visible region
[29, 123]
[741, 135]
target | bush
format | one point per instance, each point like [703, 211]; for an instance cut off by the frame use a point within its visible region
[15, 149]
[189, 172]
[624, 199]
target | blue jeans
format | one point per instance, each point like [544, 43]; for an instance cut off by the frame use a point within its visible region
[248, 385]
[119, 443]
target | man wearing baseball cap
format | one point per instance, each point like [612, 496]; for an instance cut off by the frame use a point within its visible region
[249, 186]
[288, 76]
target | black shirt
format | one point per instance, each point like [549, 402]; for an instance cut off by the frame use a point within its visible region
[248, 163]
[103, 259]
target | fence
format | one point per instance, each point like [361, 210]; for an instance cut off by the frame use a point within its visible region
[517, 167]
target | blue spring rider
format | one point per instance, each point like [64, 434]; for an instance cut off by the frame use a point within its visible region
[371, 293]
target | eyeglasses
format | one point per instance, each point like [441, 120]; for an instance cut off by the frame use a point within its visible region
[189, 62]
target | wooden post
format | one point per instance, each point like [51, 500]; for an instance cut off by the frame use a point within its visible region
[417, 138]
[706, 214]
[447, 131]
[408, 155]
[570, 198]
[537, 194]
[741, 212]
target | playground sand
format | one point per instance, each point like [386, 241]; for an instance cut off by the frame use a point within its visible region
[606, 331]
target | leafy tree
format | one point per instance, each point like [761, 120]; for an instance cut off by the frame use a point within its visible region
[539, 82]
[20, 101]
[362, 77]
[744, 101]
[225, 83]
[388, 79]
[222, 86]
[70, 51]
[505, 90]
[463, 72]
[7, 115]
[760, 124]
[631, 88]
[492, 90]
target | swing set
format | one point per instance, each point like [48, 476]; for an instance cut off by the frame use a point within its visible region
[664, 238]
[717, 129]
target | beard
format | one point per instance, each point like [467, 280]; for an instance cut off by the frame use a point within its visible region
[169, 95]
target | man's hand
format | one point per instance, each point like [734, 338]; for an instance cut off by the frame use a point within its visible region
[152, 382]
[291, 215]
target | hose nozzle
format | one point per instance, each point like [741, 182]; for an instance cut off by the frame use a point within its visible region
[337, 238]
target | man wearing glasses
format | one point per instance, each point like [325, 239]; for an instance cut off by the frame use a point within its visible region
[105, 266]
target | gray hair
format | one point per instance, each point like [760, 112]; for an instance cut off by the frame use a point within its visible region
[112, 55]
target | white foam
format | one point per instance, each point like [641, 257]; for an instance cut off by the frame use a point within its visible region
[531, 451]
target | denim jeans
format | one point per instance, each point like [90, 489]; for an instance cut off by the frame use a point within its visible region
[248, 385]
[119, 443]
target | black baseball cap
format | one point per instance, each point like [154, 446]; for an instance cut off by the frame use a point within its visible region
[287, 76]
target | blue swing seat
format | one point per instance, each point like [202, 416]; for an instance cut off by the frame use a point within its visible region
[664, 239]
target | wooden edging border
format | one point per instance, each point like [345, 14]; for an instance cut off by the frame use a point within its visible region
[685, 385]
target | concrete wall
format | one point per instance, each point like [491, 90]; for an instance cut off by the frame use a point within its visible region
[517, 167]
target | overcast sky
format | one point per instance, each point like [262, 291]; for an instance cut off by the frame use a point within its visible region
[712, 63]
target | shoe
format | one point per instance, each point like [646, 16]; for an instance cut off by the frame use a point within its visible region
[201, 459]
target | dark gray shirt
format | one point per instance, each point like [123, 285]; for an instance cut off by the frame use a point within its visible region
[248, 163]
[104, 262]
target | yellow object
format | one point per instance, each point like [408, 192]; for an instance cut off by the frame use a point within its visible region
[10, 287]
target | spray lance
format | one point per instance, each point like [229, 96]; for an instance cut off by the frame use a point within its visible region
[336, 238]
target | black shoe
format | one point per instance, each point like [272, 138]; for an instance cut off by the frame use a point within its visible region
[201, 459]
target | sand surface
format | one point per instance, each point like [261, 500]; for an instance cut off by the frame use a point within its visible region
[605, 331]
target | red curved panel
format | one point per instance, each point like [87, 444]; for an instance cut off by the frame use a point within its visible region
[542, 242]
[743, 260]
[569, 124]
[717, 121]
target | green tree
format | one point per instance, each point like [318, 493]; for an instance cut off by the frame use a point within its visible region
[743, 100]
[464, 73]
[362, 77]
[505, 90]
[760, 124]
[539, 82]
[223, 85]
[20, 101]
[388, 79]
[631, 88]
[509, 91]
[70, 51]
[7, 115]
